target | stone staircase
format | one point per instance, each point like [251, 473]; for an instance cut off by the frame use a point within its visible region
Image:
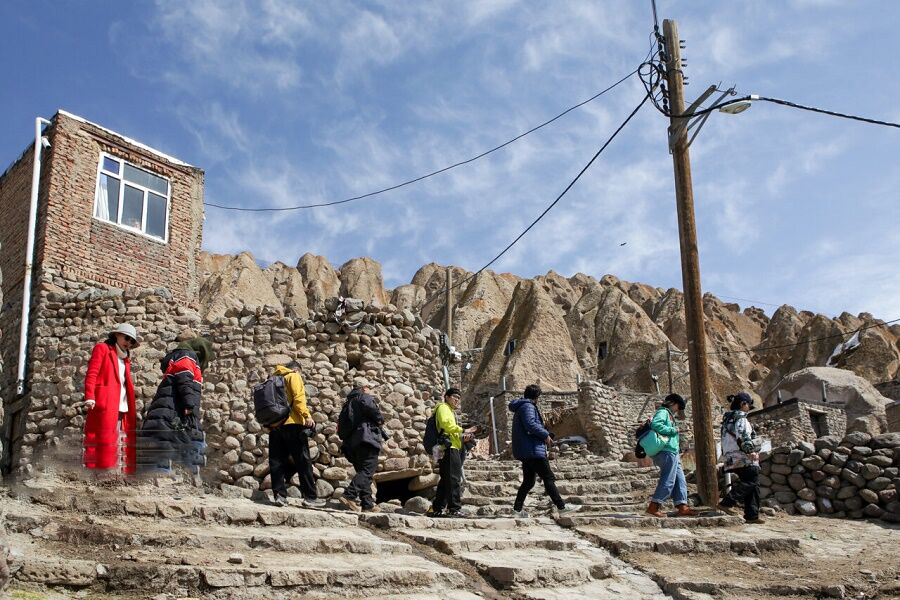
[601, 487]
[137, 541]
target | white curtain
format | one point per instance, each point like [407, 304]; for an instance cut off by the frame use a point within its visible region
[101, 207]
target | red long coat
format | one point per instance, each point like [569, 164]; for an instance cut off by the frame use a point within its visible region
[101, 431]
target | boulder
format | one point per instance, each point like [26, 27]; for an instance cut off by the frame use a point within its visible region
[417, 504]
[235, 283]
[320, 278]
[287, 283]
[864, 405]
[361, 278]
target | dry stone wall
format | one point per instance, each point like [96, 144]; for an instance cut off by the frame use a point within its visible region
[391, 350]
[796, 420]
[853, 477]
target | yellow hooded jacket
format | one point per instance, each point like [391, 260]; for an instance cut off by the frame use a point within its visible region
[296, 396]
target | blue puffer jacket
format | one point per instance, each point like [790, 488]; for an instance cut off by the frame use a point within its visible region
[528, 431]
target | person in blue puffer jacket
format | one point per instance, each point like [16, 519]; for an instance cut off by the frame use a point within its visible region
[529, 444]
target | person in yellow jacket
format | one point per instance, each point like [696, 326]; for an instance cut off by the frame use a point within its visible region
[449, 489]
[289, 442]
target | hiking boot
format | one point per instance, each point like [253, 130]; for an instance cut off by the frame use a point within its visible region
[313, 503]
[686, 511]
[569, 509]
[728, 510]
[520, 514]
[350, 504]
[758, 520]
[653, 510]
[371, 509]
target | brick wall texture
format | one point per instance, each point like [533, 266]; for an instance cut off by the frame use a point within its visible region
[73, 244]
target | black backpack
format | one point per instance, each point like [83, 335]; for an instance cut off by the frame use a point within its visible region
[270, 401]
[640, 432]
[430, 439]
[346, 421]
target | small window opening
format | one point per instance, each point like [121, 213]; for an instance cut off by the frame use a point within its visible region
[819, 423]
[510, 347]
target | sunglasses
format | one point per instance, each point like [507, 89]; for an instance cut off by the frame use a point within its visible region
[130, 340]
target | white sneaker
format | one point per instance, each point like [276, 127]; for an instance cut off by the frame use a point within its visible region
[520, 514]
[317, 503]
[569, 509]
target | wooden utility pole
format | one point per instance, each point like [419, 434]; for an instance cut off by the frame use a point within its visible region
[704, 443]
[669, 364]
[448, 304]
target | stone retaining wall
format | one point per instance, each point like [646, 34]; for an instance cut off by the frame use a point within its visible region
[391, 349]
[853, 477]
[555, 408]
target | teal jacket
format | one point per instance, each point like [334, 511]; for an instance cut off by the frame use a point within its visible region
[666, 434]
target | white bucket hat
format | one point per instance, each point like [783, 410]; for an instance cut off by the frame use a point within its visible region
[130, 331]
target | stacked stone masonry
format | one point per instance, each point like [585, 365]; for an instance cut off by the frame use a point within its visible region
[390, 349]
[798, 420]
[71, 243]
[610, 417]
[853, 477]
[557, 409]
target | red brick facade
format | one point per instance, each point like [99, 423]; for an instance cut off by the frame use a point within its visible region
[71, 243]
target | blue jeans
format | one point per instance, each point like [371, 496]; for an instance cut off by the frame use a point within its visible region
[671, 479]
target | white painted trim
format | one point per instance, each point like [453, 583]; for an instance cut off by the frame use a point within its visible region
[162, 155]
[137, 186]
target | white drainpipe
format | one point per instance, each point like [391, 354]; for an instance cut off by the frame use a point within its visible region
[29, 252]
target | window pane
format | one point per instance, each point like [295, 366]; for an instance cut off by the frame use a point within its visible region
[111, 165]
[107, 205]
[156, 216]
[132, 207]
[146, 179]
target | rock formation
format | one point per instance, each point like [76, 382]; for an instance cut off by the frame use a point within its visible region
[615, 330]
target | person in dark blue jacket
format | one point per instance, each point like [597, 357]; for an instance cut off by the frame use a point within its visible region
[529, 444]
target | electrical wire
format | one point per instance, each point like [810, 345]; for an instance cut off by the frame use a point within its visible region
[432, 173]
[437, 294]
[827, 112]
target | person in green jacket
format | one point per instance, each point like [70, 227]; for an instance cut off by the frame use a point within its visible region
[449, 489]
[671, 475]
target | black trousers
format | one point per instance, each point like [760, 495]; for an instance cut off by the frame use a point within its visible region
[286, 444]
[365, 460]
[449, 489]
[540, 467]
[745, 491]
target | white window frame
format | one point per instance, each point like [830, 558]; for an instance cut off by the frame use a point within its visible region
[145, 190]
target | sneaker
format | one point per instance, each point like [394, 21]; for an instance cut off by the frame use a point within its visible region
[350, 504]
[278, 500]
[313, 503]
[569, 509]
[520, 514]
[456, 514]
[371, 509]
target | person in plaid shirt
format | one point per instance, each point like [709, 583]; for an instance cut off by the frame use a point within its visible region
[741, 458]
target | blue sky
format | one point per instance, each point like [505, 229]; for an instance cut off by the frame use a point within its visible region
[299, 102]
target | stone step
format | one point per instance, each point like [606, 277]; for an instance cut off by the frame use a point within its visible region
[478, 488]
[462, 540]
[682, 540]
[571, 472]
[707, 518]
[230, 511]
[545, 509]
[127, 532]
[540, 499]
[267, 574]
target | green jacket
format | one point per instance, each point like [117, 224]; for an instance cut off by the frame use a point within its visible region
[664, 436]
[445, 421]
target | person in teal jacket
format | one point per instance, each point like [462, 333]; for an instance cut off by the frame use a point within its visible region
[671, 476]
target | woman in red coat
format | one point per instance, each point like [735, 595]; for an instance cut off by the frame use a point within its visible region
[109, 430]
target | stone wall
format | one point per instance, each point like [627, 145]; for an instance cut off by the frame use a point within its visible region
[555, 408]
[611, 416]
[793, 421]
[391, 350]
[853, 477]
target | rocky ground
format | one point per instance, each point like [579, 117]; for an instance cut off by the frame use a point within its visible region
[170, 540]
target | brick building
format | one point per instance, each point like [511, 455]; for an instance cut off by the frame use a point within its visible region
[112, 213]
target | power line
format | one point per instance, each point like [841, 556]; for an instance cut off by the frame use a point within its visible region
[427, 175]
[549, 207]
